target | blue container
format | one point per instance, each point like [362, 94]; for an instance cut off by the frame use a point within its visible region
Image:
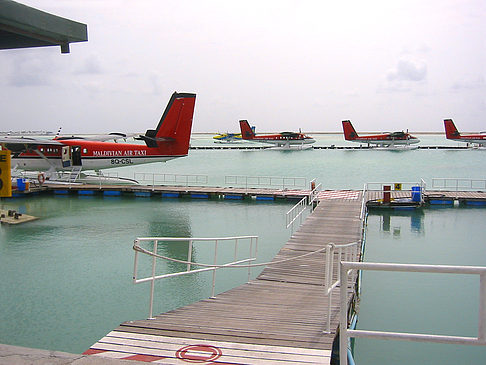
[20, 184]
[416, 194]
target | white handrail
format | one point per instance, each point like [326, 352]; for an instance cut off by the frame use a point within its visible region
[314, 194]
[161, 179]
[345, 333]
[296, 211]
[253, 248]
[402, 186]
[350, 252]
[458, 183]
[267, 181]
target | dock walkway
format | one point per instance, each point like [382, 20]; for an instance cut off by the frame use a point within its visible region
[279, 317]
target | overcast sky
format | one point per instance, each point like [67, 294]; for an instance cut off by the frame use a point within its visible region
[283, 65]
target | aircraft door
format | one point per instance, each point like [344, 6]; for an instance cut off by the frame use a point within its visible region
[76, 155]
[66, 156]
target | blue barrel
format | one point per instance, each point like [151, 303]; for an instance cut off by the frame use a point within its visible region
[20, 184]
[416, 194]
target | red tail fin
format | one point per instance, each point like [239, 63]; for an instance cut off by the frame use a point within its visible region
[349, 131]
[174, 128]
[451, 130]
[246, 131]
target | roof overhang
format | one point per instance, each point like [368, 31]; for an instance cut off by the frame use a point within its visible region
[22, 26]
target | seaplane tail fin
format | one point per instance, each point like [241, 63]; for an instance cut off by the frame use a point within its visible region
[349, 131]
[175, 125]
[246, 131]
[451, 130]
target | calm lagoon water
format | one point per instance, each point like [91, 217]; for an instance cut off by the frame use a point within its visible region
[443, 304]
[67, 276]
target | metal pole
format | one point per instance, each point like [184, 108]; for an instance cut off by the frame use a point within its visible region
[343, 318]
[189, 256]
[152, 283]
[249, 267]
[135, 263]
[482, 307]
[214, 271]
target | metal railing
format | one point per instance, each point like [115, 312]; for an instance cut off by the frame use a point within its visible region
[458, 184]
[251, 240]
[347, 267]
[347, 252]
[314, 194]
[174, 179]
[402, 186]
[265, 181]
[297, 211]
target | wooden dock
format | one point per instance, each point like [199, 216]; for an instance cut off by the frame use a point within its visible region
[280, 317]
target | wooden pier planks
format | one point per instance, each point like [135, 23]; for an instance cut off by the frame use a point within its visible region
[285, 308]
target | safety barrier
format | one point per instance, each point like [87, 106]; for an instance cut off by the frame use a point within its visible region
[154, 179]
[346, 269]
[297, 211]
[251, 240]
[413, 187]
[335, 254]
[265, 181]
[458, 184]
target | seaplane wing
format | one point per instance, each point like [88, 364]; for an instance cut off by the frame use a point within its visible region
[283, 139]
[453, 134]
[385, 139]
[170, 139]
[115, 136]
[26, 143]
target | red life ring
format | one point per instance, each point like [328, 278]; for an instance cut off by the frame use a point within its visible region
[41, 178]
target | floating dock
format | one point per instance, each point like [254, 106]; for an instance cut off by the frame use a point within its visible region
[13, 217]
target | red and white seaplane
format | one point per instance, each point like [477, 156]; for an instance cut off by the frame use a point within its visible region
[453, 134]
[169, 140]
[391, 141]
[282, 140]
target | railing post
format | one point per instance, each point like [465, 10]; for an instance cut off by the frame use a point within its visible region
[152, 283]
[343, 317]
[189, 255]
[482, 308]
[135, 263]
[214, 270]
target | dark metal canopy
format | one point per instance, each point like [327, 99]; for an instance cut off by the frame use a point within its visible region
[22, 26]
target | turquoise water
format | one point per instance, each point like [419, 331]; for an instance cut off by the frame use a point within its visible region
[422, 303]
[67, 277]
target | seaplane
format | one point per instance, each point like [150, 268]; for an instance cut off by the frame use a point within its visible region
[169, 140]
[230, 137]
[453, 134]
[227, 138]
[282, 140]
[390, 141]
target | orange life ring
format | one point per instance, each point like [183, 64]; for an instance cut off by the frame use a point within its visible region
[41, 178]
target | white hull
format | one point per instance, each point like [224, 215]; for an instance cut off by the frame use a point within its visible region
[98, 163]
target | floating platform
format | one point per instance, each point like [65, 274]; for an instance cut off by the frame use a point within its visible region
[13, 217]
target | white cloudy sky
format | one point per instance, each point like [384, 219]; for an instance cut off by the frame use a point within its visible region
[283, 65]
